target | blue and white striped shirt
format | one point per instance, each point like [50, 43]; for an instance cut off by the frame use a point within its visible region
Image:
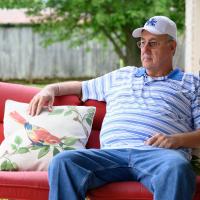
[138, 106]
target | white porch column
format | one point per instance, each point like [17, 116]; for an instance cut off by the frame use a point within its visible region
[192, 44]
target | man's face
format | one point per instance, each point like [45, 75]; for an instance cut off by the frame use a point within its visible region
[156, 51]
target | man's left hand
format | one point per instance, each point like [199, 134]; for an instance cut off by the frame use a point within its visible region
[164, 141]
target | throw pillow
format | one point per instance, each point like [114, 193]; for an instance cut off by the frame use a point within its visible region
[31, 142]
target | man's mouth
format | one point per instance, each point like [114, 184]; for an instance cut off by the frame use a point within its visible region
[146, 58]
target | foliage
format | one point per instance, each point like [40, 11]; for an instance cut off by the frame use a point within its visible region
[105, 20]
[19, 3]
[196, 164]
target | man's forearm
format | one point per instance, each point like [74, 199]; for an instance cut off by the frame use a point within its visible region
[190, 139]
[66, 88]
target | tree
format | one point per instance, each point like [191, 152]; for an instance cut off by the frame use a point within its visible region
[9, 4]
[104, 20]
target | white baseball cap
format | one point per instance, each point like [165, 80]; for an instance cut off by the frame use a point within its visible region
[158, 25]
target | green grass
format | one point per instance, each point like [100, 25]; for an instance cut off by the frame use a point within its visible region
[45, 81]
[36, 85]
[42, 82]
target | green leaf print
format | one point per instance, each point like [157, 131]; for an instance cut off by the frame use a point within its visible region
[36, 147]
[91, 111]
[15, 167]
[69, 148]
[55, 151]
[89, 121]
[69, 141]
[8, 166]
[18, 140]
[43, 151]
[22, 150]
[56, 111]
[89, 116]
[68, 113]
[4, 165]
[14, 147]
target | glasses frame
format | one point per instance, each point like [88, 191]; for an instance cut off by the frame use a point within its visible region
[152, 44]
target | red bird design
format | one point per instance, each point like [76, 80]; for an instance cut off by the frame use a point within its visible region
[37, 135]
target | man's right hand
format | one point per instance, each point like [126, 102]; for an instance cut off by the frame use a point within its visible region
[44, 98]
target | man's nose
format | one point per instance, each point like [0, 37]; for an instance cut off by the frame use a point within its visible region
[146, 47]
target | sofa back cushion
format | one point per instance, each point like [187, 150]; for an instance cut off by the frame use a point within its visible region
[24, 94]
[93, 142]
[1, 132]
[15, 92]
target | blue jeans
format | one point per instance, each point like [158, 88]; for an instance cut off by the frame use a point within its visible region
[165, 172]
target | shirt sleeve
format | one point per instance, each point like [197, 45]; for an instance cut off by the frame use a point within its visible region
[97, 88]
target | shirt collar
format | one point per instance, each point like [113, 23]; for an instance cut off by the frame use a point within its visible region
[176, 74]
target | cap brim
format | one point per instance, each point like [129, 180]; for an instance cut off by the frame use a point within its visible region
[137, 32]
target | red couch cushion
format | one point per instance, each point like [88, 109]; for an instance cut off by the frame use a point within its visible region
[15, 92]
[100, 113]
[24, 185]
[120, 191]
[34, 185]
[92, 142]
[128, 191]
[1, 132]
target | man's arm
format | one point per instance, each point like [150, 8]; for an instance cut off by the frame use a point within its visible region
[47, 94]
[188, 140]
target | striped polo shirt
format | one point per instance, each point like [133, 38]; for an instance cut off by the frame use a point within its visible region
[139, 106]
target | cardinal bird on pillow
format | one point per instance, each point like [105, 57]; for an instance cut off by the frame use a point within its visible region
[37, 135]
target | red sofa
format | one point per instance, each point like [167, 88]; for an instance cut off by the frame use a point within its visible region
[33, 185]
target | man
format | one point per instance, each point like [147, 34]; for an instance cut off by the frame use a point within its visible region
[152, 121]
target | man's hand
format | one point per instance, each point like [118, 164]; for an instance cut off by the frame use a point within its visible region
[44, 97]
[164, 141]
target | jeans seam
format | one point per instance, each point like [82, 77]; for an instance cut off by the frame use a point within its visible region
[143, 171]
[84, 179]
[83, 182]
[111, 167]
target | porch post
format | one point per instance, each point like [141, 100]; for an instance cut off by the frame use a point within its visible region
[192, 45]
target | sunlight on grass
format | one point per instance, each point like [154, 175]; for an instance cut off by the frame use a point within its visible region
[36, 85]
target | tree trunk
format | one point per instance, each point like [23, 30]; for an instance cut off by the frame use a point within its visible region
[132, 53]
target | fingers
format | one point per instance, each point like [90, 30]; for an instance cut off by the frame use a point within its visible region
[44, 97]
[152, 140]
[38, 102]
[159, 140]
[31, 107]
[50, 105]
[35, 106]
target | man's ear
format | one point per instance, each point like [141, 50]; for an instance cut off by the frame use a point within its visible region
[173, 45]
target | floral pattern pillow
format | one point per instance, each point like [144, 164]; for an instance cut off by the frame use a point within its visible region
[31, 142]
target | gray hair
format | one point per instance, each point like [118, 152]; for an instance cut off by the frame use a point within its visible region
[170, 38]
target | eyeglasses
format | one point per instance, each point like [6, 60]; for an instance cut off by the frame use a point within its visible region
[152, 44]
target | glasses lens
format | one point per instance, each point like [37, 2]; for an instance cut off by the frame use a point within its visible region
[153, 44]
[139, 44]
[150, 44]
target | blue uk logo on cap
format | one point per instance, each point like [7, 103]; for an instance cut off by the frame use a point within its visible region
[151, 22]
